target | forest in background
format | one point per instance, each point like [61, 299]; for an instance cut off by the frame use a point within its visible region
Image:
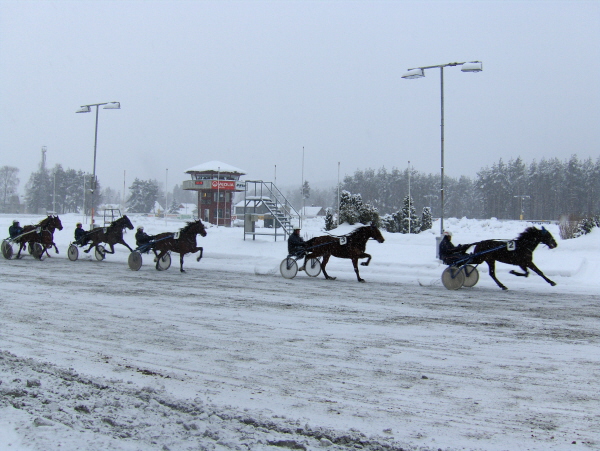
[544, 190]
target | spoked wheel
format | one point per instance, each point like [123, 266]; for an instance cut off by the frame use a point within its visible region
[7, 250]
[30, 248]
[73, 252]
[453, 278]
[313, 267]
[135, 261]
[289, 268]
[37, 251]
[100, 253]
[471, 276]
[165, 262]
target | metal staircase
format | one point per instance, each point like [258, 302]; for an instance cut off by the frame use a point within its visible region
[277, 209]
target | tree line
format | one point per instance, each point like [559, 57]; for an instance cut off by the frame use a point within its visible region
[548, 189]
[70, 191]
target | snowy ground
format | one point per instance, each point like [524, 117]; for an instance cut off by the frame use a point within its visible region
[94, 356]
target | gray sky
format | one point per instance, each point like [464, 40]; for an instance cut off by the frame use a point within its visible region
[251, 83]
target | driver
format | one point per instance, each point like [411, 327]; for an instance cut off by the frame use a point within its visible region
[80, 234]
[297, 246]
[142, 237]
[449, 253]
[15, 229]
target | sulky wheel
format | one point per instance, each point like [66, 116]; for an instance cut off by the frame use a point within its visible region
[164, 263]
[37, 251]
[453, 278]
[288, 268]
[471, 276]
[73, 252]
[100, 252]
[7, 250]
[135, 261]
[313, 267]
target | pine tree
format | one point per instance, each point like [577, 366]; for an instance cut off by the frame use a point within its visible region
[407, 225]
[144, 194]
[426, 221]
[329, 222]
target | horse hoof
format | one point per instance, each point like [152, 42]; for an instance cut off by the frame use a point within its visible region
[553, 284]
[182, 270]
[504, 288]
[361, 280]
[331, 278]
[364, 264]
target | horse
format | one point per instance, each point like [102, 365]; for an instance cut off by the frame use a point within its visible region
[354, 247]
[182, 242]
[42, 233]
[490, 251]
[111, 235]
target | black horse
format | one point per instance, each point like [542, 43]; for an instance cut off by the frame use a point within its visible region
[42, 233]
[182, 242]
[353, 247]
[111, 235]
[490, 251]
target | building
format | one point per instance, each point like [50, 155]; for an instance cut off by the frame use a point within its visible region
[216, 182]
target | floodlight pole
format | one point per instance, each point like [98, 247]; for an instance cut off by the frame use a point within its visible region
[86, 109]
[418, 72]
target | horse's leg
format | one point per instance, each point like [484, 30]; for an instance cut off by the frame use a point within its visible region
[492, 272]
[122, 241]
[355, 264]
[112, 249]
[21, 247]
[201, 252]
[540, 273]
[522, 274]
[180, 262]
[89, 248]
[323, 264]
[367, 256]
[158, 257]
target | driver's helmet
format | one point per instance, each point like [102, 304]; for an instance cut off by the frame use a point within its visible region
[15, 222]
[141, 228]
[78, 224]
[448, 233]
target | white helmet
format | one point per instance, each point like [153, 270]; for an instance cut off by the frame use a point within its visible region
[448, 233]
[140, 228]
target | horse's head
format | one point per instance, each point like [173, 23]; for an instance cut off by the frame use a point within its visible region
[51, 222]
[200, 228]
[376, 233]
[547, 238]
[127, 223]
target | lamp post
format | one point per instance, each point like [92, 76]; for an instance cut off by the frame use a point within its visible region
[419, 72]
[87, 109]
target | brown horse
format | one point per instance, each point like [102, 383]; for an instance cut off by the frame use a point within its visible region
[42, 233]
[522, 255]
[354, 247]
[111, 235]
[182, 242]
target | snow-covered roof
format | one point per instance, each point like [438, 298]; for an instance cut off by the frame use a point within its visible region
[312, 211]
[215, 166]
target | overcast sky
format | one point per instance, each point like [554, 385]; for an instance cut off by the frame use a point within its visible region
[252, 83]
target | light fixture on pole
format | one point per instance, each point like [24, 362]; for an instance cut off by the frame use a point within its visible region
[87, 109]
[419, 72]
